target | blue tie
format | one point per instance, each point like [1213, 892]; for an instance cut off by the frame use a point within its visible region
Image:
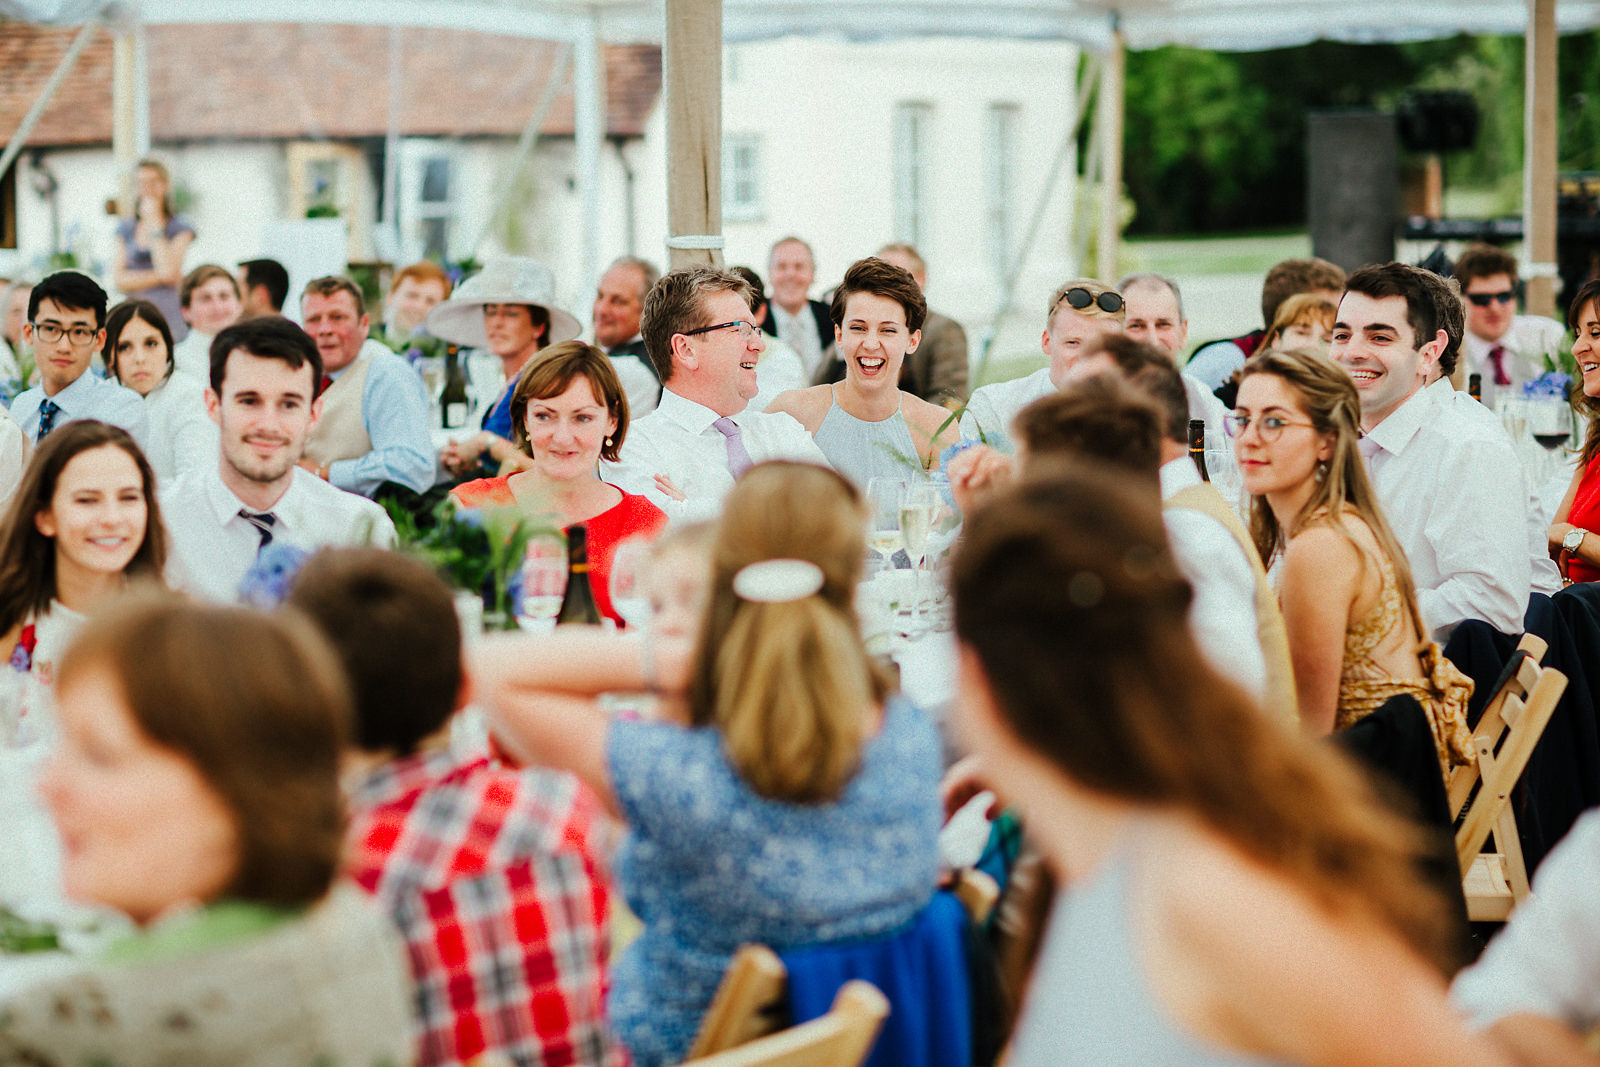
[48, 410]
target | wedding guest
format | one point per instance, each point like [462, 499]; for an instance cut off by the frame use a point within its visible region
[866, 425]
[1355, 631]
[570, 413]
[1304, 321]
[371, 435]
[263, 398]
[66, 327]
[705, 344]
[152, 244]
[1502, 348]
[509, 309]
[617, 311]
[798, 321]
[82, 525]
[415, 291]
[938, 373]
[15, 357]
[196, 791]
[449, 841]
[138, 354]
[779, 369]
[1154, 315]
[1234, 896]
[1449, 482]
[1215, 362]
[1569, 535]
[800, 806]
[1080, 312]
[263, 287]
[210, 303]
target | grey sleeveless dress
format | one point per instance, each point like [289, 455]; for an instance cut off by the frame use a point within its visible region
[862, 450]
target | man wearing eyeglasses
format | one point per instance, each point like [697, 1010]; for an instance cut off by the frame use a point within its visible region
[1503, 348]
[66, 327]
[686, 454]
[1081, 312]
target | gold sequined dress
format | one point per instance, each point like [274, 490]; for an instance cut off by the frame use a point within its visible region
[1365, 685]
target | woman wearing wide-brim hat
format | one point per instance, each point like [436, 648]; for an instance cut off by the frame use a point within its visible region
[509, 309]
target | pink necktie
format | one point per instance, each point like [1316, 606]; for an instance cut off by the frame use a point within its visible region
[1497, 356]
[739, 459]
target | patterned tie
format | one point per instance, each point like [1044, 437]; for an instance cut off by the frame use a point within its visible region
[263, 522]
[1497, 356]
[739, 459]
[48, 410]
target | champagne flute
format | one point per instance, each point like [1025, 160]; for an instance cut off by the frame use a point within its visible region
[544, 581]
[884, 497]
[628, 593]
[917, 511]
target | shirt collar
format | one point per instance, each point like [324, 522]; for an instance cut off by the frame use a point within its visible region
[1402, 424]
[1177, 475]
[692, 416]
[225, 505]
[73, 395]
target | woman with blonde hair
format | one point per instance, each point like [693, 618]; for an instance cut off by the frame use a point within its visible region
[1235, 895]
[1305, 320]
[798, 806]
[1356, 636]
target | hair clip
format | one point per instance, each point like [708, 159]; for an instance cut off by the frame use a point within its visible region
[776, 581]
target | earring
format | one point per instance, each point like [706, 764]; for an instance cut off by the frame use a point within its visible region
[608, 440]
[1322, 469]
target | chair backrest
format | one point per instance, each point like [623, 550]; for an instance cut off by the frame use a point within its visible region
[1517, 680]
[840, 1038]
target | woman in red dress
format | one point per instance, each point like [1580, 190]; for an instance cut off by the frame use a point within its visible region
[568, 412]
[1572, 543]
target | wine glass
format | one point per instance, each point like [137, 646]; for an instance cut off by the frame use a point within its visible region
[1224, 471]
[918, 509]
[1550, 423]
[629, 596]
[884, 497]
[544, 580]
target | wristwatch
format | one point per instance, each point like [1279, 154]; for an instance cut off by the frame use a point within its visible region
[1574, 539]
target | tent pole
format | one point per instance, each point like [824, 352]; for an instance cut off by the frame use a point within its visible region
[1539, 169]
[589, 132]
[36, 112]
[391, 138]
[1110, 121]
[691, 55]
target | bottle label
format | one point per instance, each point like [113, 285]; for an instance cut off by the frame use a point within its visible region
[455, 415]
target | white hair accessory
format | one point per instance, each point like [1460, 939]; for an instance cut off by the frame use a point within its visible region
[777, 581]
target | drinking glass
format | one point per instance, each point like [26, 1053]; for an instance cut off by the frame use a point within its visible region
[629, 595]
[1224, 471]
[544, 581]
[884, 497]
[918, 510]
[1550, 424]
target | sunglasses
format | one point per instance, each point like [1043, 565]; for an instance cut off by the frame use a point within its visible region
[1483, 300]
[1079, 298]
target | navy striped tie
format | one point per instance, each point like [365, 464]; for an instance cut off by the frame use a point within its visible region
[263, 522]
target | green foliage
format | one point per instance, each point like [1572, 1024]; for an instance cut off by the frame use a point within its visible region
[19, 935]
[472, 549]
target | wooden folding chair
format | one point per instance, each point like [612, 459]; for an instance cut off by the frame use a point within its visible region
[749, 1002]
[841, 1038]
[1505, 737]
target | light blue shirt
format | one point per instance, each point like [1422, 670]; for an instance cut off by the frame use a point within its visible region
[394, 409]
[90, 397]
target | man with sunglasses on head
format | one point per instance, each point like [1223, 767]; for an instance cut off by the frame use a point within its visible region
[702, 337]
[66, 327]
[1081, 312]
[1503, 348]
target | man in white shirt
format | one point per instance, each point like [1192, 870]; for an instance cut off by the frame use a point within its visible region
[1502, 348]
[705, 344]
[1153, 309]
[210, 301]
[803, 324]
[66, 326]
[1080, 313]
[1536, 989]
[618, 304]
[1450, 486]
[264, 400]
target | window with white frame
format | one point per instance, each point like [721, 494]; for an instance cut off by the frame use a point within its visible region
[913, 131]
[1002, 147]
[741, 177]
[435, 209]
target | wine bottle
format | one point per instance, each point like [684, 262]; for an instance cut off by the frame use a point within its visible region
[578, 605]
[1475, 386]
[1197, 447]
[453, 400]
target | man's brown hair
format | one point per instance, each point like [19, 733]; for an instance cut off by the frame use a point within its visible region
[199, 276]
[1099, 417]
[1292, 276]
[423, 271]
[676, 303]
[1481, 260]
[332, 283]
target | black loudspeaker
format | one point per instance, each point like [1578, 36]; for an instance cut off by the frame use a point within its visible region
[1438, 120]
[1353, 181]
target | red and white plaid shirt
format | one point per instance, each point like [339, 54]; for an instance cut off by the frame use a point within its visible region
[491, 877]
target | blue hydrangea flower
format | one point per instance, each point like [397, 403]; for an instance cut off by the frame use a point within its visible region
[267, 581]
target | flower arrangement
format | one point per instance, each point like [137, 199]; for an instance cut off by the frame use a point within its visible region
[475, 549]
[1552, 383]
[266, 583]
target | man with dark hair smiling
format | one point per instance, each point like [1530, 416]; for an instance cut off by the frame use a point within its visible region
[66, 326]
[265, 374]
[1451, 485]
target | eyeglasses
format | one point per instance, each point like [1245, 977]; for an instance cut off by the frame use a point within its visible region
[1268, 427]
[1483, 300]
[50, 333]
[1079, 298]
[746, 329]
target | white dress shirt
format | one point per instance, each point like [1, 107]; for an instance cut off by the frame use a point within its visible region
[192, 355]
[1222, 615]
[210, 548]
[991, 409]
[1546, 961]
[638, 381]
[13, 457]
[678, 439]
[800, 333]
[1526, 343]
[182, 436]
[1452, 490]
[90, 397]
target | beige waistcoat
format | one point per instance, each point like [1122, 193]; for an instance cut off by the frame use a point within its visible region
[341, 433]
